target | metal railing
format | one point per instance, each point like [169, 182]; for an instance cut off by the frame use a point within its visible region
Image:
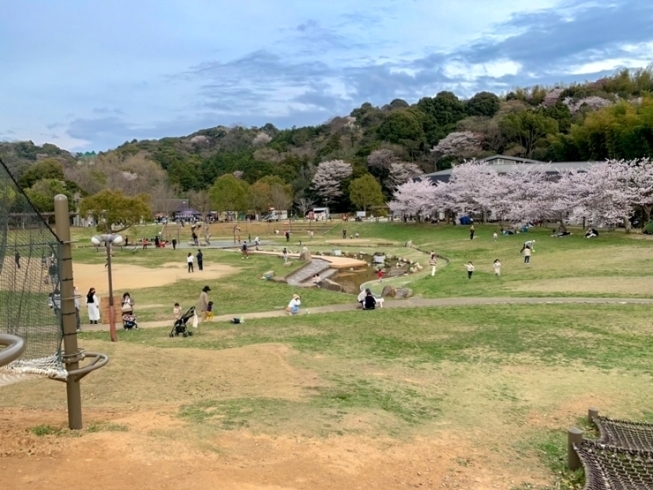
[14, 347]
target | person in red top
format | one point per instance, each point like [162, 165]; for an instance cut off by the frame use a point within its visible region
[380, 275]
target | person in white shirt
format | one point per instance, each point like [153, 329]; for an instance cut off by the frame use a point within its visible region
[190, 260]
[497, 267]
[293, 306]
[470, 269]
[433, 261]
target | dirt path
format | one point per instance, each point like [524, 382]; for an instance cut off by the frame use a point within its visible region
[409, 303]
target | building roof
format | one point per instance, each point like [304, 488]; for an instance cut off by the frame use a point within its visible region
[505, 164]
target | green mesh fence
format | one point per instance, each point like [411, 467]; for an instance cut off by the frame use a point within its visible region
[29, 285]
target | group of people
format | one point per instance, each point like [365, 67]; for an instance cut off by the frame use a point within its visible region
[190, 261]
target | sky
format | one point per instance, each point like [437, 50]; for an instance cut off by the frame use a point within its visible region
[92, 74]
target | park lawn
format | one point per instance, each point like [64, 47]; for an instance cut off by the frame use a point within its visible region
[614, 265]
[237, 293]
[509, 378]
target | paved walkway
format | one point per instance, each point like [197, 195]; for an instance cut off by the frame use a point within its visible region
[403, 303]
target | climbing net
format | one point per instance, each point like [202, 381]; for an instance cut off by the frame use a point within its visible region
[614, 468]
[622, 458]
[30, 300]
[625, 434]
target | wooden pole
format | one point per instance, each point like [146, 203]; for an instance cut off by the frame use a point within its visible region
[574, 436]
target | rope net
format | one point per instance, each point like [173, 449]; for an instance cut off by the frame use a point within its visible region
[613, 468]
[625, 434]
[30, 300]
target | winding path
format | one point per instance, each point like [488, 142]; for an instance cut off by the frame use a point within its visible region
[409, 303]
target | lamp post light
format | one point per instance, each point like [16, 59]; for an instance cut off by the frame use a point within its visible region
[108, 240]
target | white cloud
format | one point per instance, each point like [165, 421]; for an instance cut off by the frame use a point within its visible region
[494, 69]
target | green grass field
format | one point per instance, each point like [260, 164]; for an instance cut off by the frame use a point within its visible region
[501, 382]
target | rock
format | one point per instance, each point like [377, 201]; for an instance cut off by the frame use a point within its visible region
[287, 264]
[403, 293]
[305, 255]
[268, 275]
[330, 285]
[409, 243]
[388, 291]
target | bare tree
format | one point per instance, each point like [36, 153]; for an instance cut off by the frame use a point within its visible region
[163, 195]
[279, 197]
[201, 202]
[304, 204]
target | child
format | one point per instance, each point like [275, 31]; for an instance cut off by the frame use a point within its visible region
[433, 261]
[470, 269]
[293, 306]
[380, 275]
[177, 311]
[495, 236]
[245, 255]
[209, 311]
[189, 260]
[497, 267]
[285, 255]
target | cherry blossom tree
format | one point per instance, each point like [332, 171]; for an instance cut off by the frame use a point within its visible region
[641, 180]
[463, 144]
[414, 198]
[401, 173]
[329, 177]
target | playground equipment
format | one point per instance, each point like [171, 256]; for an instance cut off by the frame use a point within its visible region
[37, 303]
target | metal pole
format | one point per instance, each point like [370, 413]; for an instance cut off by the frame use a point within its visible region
[71, 350]
[112, 311]
[574, 436]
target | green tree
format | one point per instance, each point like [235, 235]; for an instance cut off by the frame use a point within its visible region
[365, 192]
[49, 168]
[112, 210]
[229, 194]
[483, 104]
[528, 129]
[42, 193]
[402, 125]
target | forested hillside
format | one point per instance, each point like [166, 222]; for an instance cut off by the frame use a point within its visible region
[609, 118]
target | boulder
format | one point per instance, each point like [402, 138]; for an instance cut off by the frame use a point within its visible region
[403, 293]
[388, 291]
[409, 243]
[305, 255]
[288, 264]
[268, 275]
[330, 285]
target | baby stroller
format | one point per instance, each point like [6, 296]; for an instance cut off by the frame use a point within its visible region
[179, 327]
[129, 321]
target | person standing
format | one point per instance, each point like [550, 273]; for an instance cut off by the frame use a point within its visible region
[527, 255]
[174, 244]
[497, 267]
[203, 303]
[200, 260]
[471, 232]
[379, 274]
[433, 261]
[470, 269]
[344, 234]
[257, 242]
[189, 261]
[245, 254]
[310, 234]
[17, 257]
[285, 255]
[287, 236]
[494, 237]
[93, 306]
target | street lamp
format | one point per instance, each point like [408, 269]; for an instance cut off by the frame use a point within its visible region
[108, 240]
